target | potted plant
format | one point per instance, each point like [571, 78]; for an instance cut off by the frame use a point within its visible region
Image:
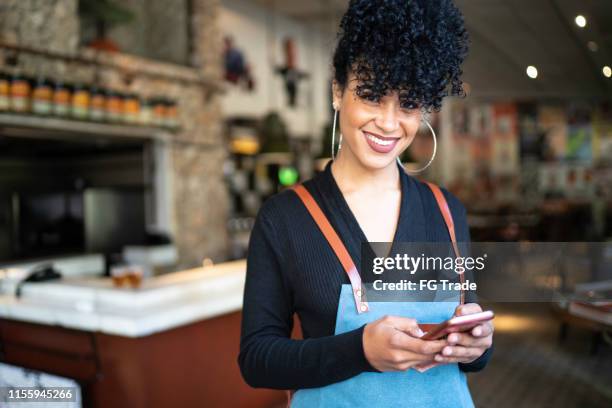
[104, 14]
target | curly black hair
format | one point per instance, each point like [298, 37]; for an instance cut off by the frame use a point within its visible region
[415, 47]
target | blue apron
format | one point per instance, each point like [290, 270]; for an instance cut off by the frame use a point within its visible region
[443, 386]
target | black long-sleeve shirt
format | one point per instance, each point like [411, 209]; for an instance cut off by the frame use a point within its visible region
[291, 268]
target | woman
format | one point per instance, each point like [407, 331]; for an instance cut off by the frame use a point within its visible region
[395, 60]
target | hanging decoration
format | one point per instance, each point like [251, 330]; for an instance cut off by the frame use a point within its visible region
[237, 69]
[290, 72]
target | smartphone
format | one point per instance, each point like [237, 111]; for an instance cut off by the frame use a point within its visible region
[457, 324]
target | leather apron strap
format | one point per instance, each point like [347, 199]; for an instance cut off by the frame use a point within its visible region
[450, 226]
[336, 243]
[343, 255]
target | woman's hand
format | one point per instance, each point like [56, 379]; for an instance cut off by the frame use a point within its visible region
[468, 346]
[392, 343]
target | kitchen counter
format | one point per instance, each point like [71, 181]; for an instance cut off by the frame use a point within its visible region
[172, 342]
[161, 303]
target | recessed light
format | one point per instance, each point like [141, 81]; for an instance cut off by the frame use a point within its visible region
[532, 72]
[607, 71]
[593, 46]
[580, 21]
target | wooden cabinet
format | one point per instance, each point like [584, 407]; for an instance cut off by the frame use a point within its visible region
[195, 365]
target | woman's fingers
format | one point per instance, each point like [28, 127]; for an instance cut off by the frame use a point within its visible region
[468, 346]
[404, 324]
[483, 330]
[414, 351]
[463, 347]
[468, 340]
[458, 354]
[458, 351]
[451, 360]
[405, 342]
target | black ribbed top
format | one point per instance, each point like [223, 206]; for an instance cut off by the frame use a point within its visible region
[291, 268]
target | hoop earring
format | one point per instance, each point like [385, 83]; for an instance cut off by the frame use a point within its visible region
[333, 155]
[435, 148]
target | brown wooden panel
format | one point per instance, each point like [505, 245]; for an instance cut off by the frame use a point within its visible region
[194, 365]
[47, 337]
[80, 369]
[191, 366]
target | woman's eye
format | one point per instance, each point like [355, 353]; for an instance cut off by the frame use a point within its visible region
[372, 100]
[409, 107]
[368, 96]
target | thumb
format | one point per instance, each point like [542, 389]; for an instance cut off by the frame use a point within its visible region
[467, 308]
[406, 325]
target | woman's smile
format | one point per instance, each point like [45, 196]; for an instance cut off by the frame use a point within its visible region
[380, 144]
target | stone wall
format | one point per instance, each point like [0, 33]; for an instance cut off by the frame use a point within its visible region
[199, 191]
[53, 24]
[207, 44]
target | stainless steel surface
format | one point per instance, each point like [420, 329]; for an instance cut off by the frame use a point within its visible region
[113, 218]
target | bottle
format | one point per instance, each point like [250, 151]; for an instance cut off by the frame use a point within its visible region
[42, 97]
[80, 102]
[21, 89]
[97, 106]
[131, 108]
[61, 99]
[113, 106]
[159, 112]
[5, 92]
[146, 113]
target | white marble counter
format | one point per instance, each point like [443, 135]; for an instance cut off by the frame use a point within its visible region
[161, 303]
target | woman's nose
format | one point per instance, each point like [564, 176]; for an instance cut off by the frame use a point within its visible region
[387, 119]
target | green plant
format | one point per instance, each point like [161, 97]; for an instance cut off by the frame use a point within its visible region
[273, 134]
[105, 14]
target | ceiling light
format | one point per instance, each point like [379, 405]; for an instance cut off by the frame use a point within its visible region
[593, 46]
[532, 72]
[607, 71]
[580, 21]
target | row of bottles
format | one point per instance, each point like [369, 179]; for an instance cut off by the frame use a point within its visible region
[45, 97]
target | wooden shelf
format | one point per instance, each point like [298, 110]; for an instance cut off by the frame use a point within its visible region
[16, 125]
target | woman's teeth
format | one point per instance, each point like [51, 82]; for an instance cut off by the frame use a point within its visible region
[379, 141]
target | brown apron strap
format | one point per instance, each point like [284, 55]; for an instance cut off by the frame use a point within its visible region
[450, 225]
[336, 243]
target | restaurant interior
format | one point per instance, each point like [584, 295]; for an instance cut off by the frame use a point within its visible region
[139, 139]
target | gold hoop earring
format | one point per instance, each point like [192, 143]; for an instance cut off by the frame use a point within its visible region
[435, 148]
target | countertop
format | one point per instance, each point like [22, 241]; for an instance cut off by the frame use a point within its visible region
[161, 303]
